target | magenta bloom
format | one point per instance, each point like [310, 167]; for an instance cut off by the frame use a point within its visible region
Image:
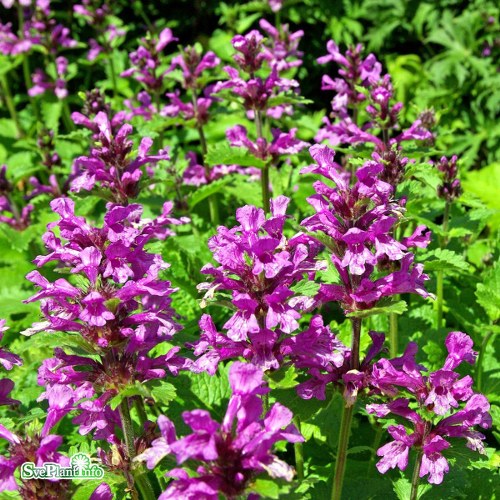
[358, 223]
[258, 265]
[232, 453]
[439, 394]
[109, 166]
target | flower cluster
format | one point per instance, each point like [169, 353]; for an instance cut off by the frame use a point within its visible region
[232, 453]
[97, 14]
[121, 310]
[9, 211]
[425, 403]
[257, 93]
[42, 83]
[362, 82]
[34, 447]
[357, 223]
[451, 187]
[258, 265]
[109, 165]
[326, 362]
[146, 62]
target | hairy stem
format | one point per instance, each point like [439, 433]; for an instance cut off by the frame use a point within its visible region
[26, 63]
[416, 477]
[480, 358]
[140, 481]
[393, 334]
[340, 463]
[264, 177]
[356, 335]
[212, 199]
[299, 452]
[9, 102]
[440, 274]
[347, 413]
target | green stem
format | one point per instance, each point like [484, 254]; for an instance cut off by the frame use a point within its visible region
[376, 443]
[212, 199]
[66, 115]
[26, 63]
[140, 479]
[480, 358]
[416, 477]
[299, 452]
[112, 70]
[440, 274]
[393, 334]
[347, 413]
[9, 102]
[356, 335]
[265, 403]
[141, 411]
[264, 177]
[340, 463]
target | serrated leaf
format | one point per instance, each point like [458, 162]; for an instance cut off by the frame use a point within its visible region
[402, 488]
[224, 154]
[488, 293]
[163, 392]
[137, 389]
[384, 307]
[284, 378]
[267, 488]
[306, 288]
[204, 192]
[51, 113]
[442, 259]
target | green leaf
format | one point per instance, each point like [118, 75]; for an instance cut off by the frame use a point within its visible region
[163, 392]
[488, 293]
[204, 192]
[402, 488]
[138, 389]
[306, 288]
[267, 488]
[284, 378]
[442, 259]
[384, 307]
[51, 113]
[224, 154]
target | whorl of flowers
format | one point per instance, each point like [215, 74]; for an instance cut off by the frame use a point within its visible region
[109, 165]
[121, 309]
[451, 187]
[433, 405]
[33, 447]
[357, 223]
[361, 82]
[146, 61]
[258, 266]
[231, 454]
[10, 213]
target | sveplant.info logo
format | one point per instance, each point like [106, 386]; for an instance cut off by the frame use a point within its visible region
[80, 467]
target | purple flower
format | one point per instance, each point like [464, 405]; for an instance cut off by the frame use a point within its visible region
[257, 265]
[441, 392]
[231, 454]
[7, 359]
[109, 165]
[281, 46]
[146, 60]
[42, 84]
[358, 223]
[282, 143]
[193, 64]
